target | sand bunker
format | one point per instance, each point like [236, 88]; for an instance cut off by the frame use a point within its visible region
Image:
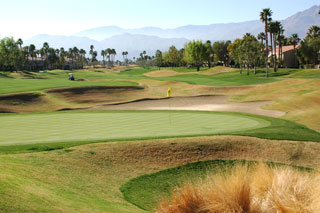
[162, 73]
[205, 103]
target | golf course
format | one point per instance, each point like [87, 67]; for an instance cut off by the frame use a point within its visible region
[114, 141]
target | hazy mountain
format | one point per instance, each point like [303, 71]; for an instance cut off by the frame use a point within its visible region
[152, 38]
[298, 23]
[204, 32]
[58, 41]
[134, 44]
[302, 21]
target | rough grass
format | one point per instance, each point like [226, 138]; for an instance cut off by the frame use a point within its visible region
[244, 189]
[201, 84]
[20, 99]
[96, 94]
[300, 98]
[87, 178]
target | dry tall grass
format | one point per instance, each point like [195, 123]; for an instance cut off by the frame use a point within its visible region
[248, 190]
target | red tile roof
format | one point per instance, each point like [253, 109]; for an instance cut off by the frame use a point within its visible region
[288, 48]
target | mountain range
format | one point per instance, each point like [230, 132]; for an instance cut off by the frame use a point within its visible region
[152, 38]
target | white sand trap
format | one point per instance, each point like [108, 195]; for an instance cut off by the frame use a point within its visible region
[162, 73]
[203, 103]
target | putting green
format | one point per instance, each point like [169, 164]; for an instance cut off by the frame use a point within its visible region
[99, 126]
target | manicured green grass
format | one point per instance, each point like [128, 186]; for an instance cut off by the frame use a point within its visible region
[8, 85]
[58, 78]
[48, 131]
[98, 126]
[312, 73]
[185, 69]
[148, 190]
[287, 73]
[222, 79]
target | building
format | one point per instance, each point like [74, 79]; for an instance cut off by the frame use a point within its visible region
[288, 56]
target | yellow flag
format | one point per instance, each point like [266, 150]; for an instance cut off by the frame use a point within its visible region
[169, 92]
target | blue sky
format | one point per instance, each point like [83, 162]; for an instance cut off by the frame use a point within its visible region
[21, 18]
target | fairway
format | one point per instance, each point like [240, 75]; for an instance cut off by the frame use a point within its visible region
[99, 125]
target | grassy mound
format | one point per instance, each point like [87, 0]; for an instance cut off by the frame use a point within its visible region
[96, 94]
[87, 178]
[20, 99]
[147, 190]
[81, 90]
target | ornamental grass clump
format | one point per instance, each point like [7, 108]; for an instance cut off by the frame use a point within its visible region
[248, 189]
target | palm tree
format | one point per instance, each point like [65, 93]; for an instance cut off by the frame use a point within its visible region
[261, 36]
[126, 54]
[20, 42]
[108, 53]
[265, 16]
[82, 56]
[280, 37]
[113, 54]
[32, 49]
[274, 31]
[103, 54]
[271, 30]
[283, 42]
[62, 56]
[25, 51]
[94, 56]
[70, 56]
[294, 40]
[247, 35]
[158, 58]
[313, 32]
[122, 55]
[45, 48]
[91, 52]
[75, 51]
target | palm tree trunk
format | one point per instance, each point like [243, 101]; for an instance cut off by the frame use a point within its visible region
[255, 70]
[295, 57]
[267, 51]
[275, 53]
[247, 69]
[279, 44]
[271, 45]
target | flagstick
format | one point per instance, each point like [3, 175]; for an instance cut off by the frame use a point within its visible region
[169, 111]
[168, 95]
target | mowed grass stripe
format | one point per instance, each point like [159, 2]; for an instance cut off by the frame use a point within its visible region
[99, 126]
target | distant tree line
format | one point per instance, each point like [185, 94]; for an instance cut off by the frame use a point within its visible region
[14, 56]
[247, 52]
